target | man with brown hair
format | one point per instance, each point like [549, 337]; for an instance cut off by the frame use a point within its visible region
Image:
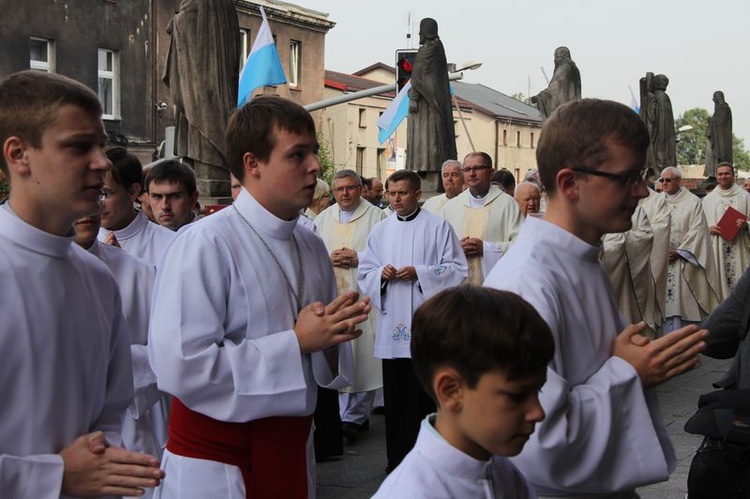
[65, 369]
[246, 323]
[603, 435]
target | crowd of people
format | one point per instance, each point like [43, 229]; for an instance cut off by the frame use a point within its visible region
[512, 334]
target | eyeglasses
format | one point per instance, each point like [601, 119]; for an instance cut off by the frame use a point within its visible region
[477, 168]
[348, 188]
[666, 180]
[624, 179]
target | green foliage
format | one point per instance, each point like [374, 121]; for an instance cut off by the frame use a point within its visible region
[523, 98]
[4, 187]
[691, 144]
[327, 169]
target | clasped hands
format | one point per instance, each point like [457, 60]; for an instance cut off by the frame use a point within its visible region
[320, 327]
[408, 273]
[344, 257]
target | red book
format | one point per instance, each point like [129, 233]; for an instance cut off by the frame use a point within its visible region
[728, 224]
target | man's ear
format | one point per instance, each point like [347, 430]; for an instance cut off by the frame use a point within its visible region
[567, 185]
[250, 164]
[449, 388]
[16, 155]
[134, 192]
[418, 194]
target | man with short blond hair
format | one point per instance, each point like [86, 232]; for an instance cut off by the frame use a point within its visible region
[453, 185]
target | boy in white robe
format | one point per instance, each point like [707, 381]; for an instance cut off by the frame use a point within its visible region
[410, 256]
[65, 372]
[603, 435]
[135, 279]
[121, 222]
[240, 334]
[482, 355]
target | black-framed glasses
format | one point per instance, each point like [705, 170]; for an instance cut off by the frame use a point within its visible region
[477, 168]
[624, 179]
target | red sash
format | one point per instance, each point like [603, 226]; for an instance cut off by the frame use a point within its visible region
[270, 452]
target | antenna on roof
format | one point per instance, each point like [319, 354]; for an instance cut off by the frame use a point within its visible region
[408, 30]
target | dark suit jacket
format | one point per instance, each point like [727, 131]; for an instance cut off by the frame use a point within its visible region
[728, 325]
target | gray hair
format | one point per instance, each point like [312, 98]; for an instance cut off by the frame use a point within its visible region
[348, 174]
[321, 189]
[674, 170]
[450, 162]
[527, 183]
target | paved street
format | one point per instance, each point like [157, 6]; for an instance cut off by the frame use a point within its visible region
[360, 471]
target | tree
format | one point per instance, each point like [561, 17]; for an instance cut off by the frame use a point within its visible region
[523, 98]
[691, 144]
[327, 168]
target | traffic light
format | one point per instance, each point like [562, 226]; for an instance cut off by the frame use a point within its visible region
[404, 66]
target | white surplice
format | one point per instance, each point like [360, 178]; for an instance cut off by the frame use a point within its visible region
[693, 282]
[353, 235]
[429, 244]
[65, 367]
[143, 239]
[135, 278]
[496, 223]
[660, 219]
[436, 204]
[626, 257]
[436, 469]
[603, 432]
[222, 337]
[732, 258]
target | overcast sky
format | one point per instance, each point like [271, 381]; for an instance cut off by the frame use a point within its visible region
[701, 46]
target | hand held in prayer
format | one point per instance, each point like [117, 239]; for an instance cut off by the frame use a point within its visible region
[408, 273]
[472, 246]
[92, 468]
[389, 272]
[111, 239]
[659, 360]
[337, 324]
[673, 255]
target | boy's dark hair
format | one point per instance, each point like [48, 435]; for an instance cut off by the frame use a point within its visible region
[126, 167]
[414, 181]
[577, 133]
[485, 157]
[172, 170]
[251, 128]
[505, 179]
[476, 330]
[30, 101]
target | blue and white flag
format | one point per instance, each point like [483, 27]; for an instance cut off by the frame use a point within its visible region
[394, 114]
[263, 66]
[633, 101]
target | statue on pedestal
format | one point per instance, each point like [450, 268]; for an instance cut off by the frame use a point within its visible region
[430, 132]
[656, 112]
[564, 86]
[719, 134]
[202, 73]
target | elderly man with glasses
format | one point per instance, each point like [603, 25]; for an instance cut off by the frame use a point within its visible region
[693, 286]
[485, 218]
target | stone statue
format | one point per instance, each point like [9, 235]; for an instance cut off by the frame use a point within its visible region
[719, 135]
[202, 73]
[656, 111]
[430, 132]
[564, 86]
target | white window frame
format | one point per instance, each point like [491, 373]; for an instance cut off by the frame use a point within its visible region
[245, 46]
[295, 57]
[47, 66]
[113, 75]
